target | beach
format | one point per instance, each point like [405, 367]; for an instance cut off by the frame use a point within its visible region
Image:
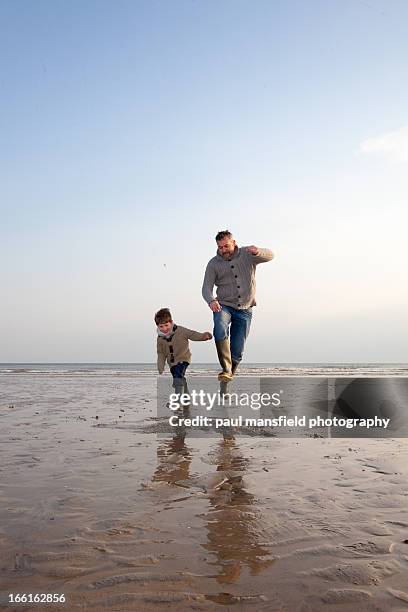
[95, 505]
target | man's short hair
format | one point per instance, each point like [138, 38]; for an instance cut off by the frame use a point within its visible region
[223, 234]
[162, 316]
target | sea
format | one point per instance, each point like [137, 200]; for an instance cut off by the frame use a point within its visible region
[136, 370]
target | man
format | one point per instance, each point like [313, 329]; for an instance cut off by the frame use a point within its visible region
[232, 271]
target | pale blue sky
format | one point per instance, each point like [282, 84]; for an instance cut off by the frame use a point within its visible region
[132, 131]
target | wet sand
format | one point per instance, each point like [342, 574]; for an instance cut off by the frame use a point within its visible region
[94, 505]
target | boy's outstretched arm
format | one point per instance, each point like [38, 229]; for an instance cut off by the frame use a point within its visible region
[161, 358]
[197, 336]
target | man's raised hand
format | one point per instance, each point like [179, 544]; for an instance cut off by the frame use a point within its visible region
[253, 250]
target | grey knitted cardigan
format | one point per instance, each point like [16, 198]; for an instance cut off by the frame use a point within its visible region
[234, 278]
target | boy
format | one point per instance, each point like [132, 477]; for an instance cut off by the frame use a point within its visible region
[173, 347]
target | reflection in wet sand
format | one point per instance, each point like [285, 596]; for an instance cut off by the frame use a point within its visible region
[174, 459]
[233, 521]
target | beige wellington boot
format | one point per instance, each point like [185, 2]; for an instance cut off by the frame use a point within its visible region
[224, 357]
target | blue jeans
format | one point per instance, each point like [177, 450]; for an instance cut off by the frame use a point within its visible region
[178, 372]
[240, 321]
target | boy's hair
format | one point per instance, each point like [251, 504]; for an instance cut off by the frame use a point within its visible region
[162, 316]
[223, 234]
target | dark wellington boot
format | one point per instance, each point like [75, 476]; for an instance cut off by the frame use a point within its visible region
[185, 386]
[178, 387]
[235, 365]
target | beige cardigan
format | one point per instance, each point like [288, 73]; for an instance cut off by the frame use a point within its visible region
[176, 349]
